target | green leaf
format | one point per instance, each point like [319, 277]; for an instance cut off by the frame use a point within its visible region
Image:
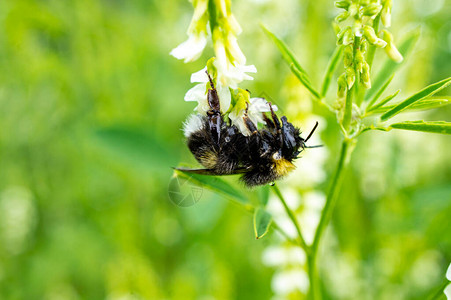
[262, 221]
[304, 80]
[263, 195]
[287, 54]
[426, 92]
[216, 184]
[390, 66]
[379, 93]
[331, 66]
[372, 110]
[136, 146]
[425, 104]
[425, 126]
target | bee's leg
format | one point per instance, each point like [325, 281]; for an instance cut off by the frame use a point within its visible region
[277, 125]
[214, 114]
[269, 123]
[250, 125]
[274, 117]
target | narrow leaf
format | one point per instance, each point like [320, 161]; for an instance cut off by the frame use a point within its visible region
[390, 66]
[303, 79]
[262, 221]
[425, 126]
[331, 66]
[379, 92]
[216, 184]
[426, 92]
[425, 104]
[287, 54]
[387, 99]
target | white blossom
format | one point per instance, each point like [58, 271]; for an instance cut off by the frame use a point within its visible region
[447, 290]
[230, 62]
[256, 107]
[191, 49]
[199, 93]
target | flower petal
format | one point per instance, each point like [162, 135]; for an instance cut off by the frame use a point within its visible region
[196, 93]
[225, 98]
[191, 49]
[200, 76]
[448, 273]
[447, 291]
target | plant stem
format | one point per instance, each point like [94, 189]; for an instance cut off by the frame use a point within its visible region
[346, 149]
[292, 217]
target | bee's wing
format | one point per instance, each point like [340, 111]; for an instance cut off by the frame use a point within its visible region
[211, 171]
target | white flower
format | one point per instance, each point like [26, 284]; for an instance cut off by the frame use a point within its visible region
[448, 273]
[447, 290]
[191, 49]
[231, 73]
[199, 92]
[256, 107]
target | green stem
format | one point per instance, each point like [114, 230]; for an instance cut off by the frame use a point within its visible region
[346, 149]
[292, 217]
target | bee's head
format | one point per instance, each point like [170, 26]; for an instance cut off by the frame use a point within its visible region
[293, 143]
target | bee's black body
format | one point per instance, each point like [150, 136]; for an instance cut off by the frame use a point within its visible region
[264, 156]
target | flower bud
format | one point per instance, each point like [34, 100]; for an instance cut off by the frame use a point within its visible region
[342, 4]
[340, 35]
[371, 10]
[360, 60]
[341, 17]
[391, 49]
[372, 38]
[350, 77]
[353, 9]
[364, 46]
[348, 37]
[365, 75]
[348, 56]
[342, 86]
[386, 13]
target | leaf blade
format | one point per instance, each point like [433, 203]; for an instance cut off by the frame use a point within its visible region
[425, 104]
[424, 93]
[331, 66]
[217, 185]
[262, 222]
[287, 54]
[442, 127]
[304, 81]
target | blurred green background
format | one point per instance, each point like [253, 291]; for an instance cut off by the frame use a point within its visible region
[91, 110]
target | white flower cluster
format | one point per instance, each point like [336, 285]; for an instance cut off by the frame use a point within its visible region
[229, 63]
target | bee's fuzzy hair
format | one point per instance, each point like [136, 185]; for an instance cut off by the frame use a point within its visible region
[192, 124]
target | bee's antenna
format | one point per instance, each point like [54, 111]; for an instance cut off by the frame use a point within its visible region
[211, 80]
[310, 134]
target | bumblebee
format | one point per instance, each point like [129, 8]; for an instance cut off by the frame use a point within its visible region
[263, 157]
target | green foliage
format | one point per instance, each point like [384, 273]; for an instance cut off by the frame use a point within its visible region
[216, 184]
[262, 222]
[424, 93]
[429, 126]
